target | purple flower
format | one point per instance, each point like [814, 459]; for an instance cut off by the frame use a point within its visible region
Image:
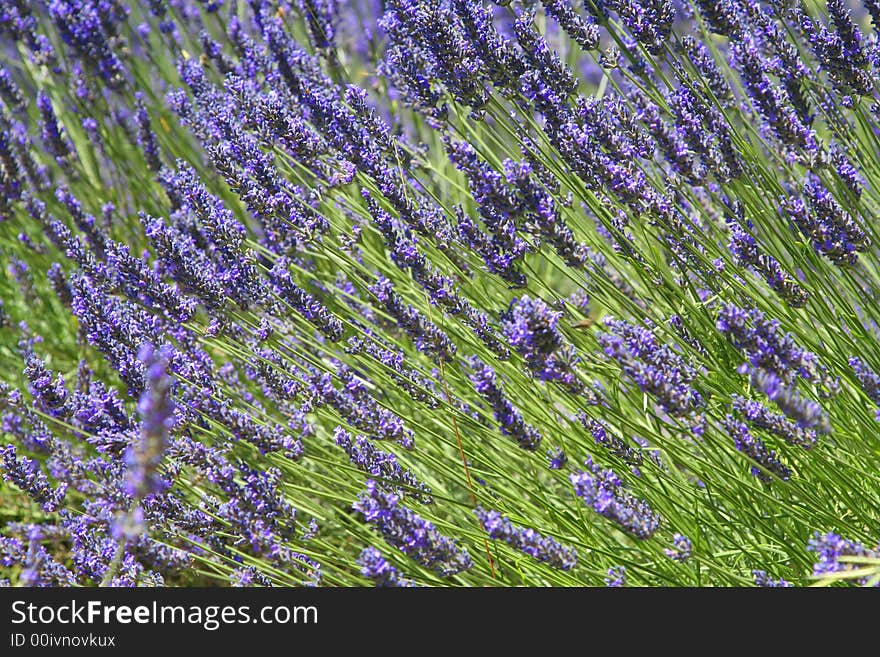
[701, 57]
[758, 415]
[583, 31]
[655, 368]
[530, 326]
[616, 577]
[834, 233]
[428, 34]
[410, 533]
[321, 17]
[414, 383]
[304, 303]
[840, 51]
[764, 580]
[526, 540]
[681, 548]
[18, 23]
[50, 396]
[769, 349]
[384, 466]
[747, 253]
[39, 568]
[605, 493]
[650, 21]
[540, 60]
[506, 414]
[54, 137]
[156, 410]
[869, 381]
[25, 474]
[773, 101]
[426, 336]
[614, 444]
[9, 91]
[376, 567]
[806, 413]
[146, 136]
[83, 27]
[755, 449]
[557, 458]
[830, 547]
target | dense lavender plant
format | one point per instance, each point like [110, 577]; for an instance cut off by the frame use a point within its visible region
[203, 205]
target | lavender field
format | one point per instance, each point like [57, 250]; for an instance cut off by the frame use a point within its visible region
[439, 293]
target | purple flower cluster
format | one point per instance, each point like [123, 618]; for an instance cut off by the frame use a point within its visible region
[833, 232]
[156, 410]
[616, 577]
[613, 443]
[681, 549]
[83, 27]
[414, 383]
[376, 567]
[39, 568]
[605, 493]
[426, 336]
[829, 548]
[543, 548]
[759, 416]
[410, 533]
[769, 349]
[54, 136]
[26, 475]
[509, 418]
[655, 368]
[806, 413]
[755, 449]
[869, 381]
[764, 580]
[384, 466]
[745, 249]
[530, 327]
[649, 21]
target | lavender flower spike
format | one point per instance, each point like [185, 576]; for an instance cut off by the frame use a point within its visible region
[829, 548]
[377, 568]
[526, 540]
[25, 473]
[372, 460]
[530, 326]
[604, 491]
[655, 368]
[616, 577]
[508, 416]
[157, 417]
[681, 549]
[410, 533]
